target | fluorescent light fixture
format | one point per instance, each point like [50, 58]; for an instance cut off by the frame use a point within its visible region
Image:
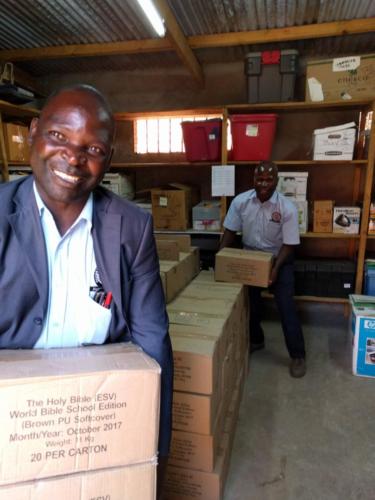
[153, 16]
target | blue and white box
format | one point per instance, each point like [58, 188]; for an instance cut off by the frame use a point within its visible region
[363, 330]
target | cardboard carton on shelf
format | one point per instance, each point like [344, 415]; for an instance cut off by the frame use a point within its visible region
[323, 216]
[335, 143]
[243, 266]
[16, 142]
[341, 78]
[172, 205]
[207, 216]
[121, 184]
[133, 482]
[293, 185]
[346, 220]
[371, 221]
[66, 411]
[302, 212]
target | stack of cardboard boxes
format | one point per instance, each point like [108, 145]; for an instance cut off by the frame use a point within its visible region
[179, 263]
[79, 423]
[208, 328]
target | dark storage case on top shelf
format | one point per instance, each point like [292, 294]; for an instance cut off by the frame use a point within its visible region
[271, 75]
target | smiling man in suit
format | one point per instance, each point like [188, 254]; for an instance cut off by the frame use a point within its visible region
[78, 264]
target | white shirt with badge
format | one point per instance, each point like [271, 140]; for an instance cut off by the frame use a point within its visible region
[264, 226]
[73, 318]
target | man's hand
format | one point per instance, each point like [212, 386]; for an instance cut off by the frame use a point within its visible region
[273, 276]
[160, 474]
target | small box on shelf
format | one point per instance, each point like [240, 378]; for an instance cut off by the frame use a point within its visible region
[335, 143]
[16, 142]
[206, 216]
[293, 185]
[323, 216]
[346, 220]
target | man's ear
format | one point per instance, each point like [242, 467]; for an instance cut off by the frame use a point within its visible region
[32, 130]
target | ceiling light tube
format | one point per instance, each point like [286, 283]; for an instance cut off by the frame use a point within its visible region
[153, 16]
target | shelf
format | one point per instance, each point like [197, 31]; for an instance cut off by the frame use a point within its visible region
[169, 164]
[313, 298]
[296, 163]
[183, 164]
[298, 106]
[187, 231]
[329, 236]
[10, 110]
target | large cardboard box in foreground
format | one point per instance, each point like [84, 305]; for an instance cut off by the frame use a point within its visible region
[341, 78]
[133, 482]
[243, 266]
[72, 410]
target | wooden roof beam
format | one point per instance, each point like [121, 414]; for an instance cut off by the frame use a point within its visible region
[304, 32]
[307, 31]
[179, 41]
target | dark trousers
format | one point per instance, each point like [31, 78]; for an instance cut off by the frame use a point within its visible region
[283, 290]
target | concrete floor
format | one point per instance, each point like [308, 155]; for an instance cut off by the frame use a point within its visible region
[311, 438]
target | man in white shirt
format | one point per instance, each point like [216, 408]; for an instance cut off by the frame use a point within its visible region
[268, 222]
[78, 264]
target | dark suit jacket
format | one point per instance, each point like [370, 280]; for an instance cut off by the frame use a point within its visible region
[127, 261]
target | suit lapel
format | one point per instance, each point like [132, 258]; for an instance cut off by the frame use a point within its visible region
[27, 228]
[106, 235]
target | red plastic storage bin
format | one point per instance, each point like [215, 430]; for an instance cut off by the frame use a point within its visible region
[202, 140]
[253, 136]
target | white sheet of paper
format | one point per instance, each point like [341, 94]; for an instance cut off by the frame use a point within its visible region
[222, 180]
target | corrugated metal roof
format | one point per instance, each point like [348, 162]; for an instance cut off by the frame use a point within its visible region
[46, 23]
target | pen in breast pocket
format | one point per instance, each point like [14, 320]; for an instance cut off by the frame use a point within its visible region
[108, 300]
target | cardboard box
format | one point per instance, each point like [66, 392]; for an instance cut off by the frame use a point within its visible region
[176, 275]
[133, 482]
[243, 266]
[183, 240]
[120, 184]
[323, 216]
[341, 78]
[187, 484]
[362, 326]
[171, 206]
[293, 185]
[371, 220]
[16, 142]
[346, 220]
[168, 250]
[207, 216]
[72, 410]
[335, 143]
[302, 210]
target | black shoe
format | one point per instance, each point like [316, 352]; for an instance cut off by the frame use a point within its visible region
[297, 367]
[256, 347]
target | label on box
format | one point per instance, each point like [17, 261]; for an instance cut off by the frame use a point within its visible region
[17, 138]
[346, 63]
[211, 137]
[163, 201]
[252, 130]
